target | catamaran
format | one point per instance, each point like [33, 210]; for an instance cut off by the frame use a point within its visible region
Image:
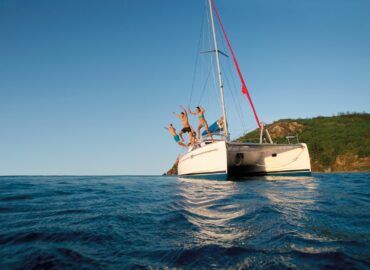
[224, 158]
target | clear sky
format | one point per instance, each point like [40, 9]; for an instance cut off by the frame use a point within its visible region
[87, 86]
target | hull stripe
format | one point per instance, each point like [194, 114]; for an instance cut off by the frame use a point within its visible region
[202, 153]
[244, 173]
[206, 173]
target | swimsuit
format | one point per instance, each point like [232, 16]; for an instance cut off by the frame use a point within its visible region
[176, 138]
[201, 116]
[186, 129]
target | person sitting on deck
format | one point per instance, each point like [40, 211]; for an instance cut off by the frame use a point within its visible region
[193, 138]
[183, 116]
[194, 143]
[176, 137]
[202, 121]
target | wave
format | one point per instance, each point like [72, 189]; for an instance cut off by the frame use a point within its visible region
[164, 222]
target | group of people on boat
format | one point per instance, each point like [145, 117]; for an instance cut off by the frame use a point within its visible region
[187, 128]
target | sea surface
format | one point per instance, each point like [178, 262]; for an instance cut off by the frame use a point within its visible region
[153, 222]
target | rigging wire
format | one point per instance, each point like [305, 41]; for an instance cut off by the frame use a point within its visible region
[231, 74]
[205, 43]
[201, 70]
[234, 91]
[215, 85]
[244, 87]
[236, 107]
[198, 71]
[210, 45]
[197, 55]
[204, 86]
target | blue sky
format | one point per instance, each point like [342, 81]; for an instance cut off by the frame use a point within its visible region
[87, 86]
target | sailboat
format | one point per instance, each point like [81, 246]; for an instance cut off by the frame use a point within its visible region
[224, 158]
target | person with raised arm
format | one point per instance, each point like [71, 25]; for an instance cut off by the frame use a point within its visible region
[199, 111]
[176, 137]
[183, 116]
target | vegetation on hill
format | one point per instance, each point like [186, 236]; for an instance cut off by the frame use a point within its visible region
[337, 143]
[173, 170]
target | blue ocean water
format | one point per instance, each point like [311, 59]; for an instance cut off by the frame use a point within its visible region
[150, 222]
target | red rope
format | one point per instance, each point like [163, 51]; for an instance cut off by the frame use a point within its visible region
[244, 87]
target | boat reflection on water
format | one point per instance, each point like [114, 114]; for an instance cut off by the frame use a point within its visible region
[291, 190]
[231, 213]
[208, 206]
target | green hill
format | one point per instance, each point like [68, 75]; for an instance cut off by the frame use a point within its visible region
[337, 143]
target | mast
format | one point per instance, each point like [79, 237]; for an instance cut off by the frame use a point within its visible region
[226, 130]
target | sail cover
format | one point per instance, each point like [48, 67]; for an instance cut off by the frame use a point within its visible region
[215, 128]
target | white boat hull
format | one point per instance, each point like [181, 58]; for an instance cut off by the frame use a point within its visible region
[227, 159]
[261, 159]
[210, 159]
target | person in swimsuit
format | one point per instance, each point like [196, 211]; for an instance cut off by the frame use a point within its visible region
[202, 121]
[183, 116]
[193, 139]
[176, 137]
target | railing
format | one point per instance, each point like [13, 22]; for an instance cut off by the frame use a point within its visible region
[292, 137]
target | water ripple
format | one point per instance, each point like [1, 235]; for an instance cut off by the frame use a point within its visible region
[110, 222]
